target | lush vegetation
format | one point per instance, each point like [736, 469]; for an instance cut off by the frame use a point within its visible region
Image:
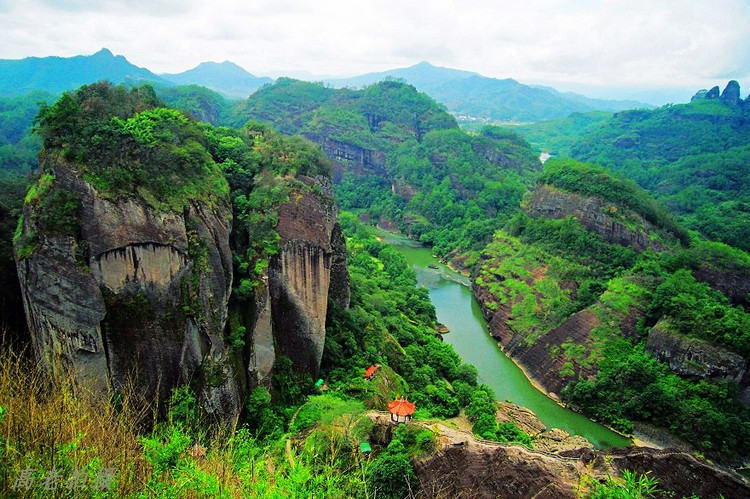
[693, 157]
[118, 448]
[449, 189]
[586, 179]
[125, 141]
[553, 269]
[18, 159]
[392, 322]
[202, 103]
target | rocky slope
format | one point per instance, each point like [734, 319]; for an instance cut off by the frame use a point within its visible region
[615, 225]
[300, 275]
[462, 466]
[137, 296]
[698, 358]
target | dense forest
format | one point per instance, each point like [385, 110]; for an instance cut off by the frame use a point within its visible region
[125, 143]
[446, 188]
[692, 157]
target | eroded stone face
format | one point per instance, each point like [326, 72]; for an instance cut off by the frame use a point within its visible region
[300, 275]
[139, 298]
[694, 357]
[150, 264]
[626, 229]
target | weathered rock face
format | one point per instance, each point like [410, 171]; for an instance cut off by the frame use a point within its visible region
[478, 469]
[734, 283]
[679, 473]
[138, 298]
[263, 352]
[491, 472]
[339, 291]
[300, 275]
[600, 217]
[349, 157]
[731, 93]
[695, 357]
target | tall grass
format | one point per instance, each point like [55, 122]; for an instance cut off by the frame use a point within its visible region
[93, 447]
[55, 425]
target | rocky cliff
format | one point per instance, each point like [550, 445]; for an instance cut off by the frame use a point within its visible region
[695, 357]
[350, 157]
[134, 296]
[464, 467]
[615, 224]
[309, 270]
[551, 353]
[138, 296]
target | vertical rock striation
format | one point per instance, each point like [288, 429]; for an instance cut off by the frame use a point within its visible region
[137, 297]
[300, 275]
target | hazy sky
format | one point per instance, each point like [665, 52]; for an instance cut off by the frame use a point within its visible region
[571, 45]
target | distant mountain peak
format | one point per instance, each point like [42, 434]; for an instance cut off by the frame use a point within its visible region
[103, 52]
[57, 74]
[225, 77]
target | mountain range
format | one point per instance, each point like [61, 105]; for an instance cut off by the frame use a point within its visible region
[470, 96]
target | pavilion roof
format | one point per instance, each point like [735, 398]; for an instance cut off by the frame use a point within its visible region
[401, 407]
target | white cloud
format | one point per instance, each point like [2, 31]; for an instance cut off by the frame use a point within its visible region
[594, 42]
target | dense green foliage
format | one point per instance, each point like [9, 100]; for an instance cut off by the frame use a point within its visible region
[204, 104]
[555, 136]
[554, 268]
[392, 323]
[692, 157]
[586, 179]
[287, 104]
[124, 142]
[632, 386]
[530, 275]
[449, 189]
[18, 147]
[630, 486]
[260, 166]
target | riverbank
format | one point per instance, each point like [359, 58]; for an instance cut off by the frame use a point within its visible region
[553, 396]
[457, 308]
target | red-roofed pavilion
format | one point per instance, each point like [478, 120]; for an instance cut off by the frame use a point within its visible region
[370, 372]
[401, 410]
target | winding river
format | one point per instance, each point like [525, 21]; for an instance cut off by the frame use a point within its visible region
[456, 308]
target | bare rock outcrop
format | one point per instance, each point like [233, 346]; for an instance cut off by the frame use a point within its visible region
[137, 297]
[695, 357]
[300, 275]
[613, 223]
[482, 469]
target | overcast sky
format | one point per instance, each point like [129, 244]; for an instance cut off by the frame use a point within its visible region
[582, 45]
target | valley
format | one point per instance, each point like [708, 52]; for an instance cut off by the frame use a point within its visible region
[456, 307]
[202, 274]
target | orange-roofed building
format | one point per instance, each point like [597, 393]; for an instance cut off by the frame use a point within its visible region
[370, 372]
[401, 410]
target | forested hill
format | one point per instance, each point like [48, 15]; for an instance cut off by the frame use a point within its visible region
[476, 98]
[57, 74]
[606, 301]
[400, 158]
[693, 157]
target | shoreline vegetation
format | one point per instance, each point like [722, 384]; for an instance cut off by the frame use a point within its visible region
[532, 380]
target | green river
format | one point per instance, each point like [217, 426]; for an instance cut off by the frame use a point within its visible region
[456, 308]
